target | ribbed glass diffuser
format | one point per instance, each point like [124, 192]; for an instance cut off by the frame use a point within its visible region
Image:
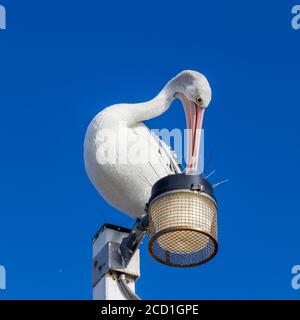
[182, 221]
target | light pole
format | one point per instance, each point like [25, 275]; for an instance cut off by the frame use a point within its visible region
[112, 277]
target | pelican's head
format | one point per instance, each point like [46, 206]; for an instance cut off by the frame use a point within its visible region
[194, 91]
[193, 86]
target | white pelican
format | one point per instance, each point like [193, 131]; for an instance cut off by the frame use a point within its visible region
[126, 185]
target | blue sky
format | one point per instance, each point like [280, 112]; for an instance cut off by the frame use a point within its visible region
[61, 62]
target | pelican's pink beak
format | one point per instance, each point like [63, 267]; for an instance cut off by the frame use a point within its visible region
[194, 118]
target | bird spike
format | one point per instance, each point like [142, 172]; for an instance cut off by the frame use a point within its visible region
[219, 183]
[210, 174]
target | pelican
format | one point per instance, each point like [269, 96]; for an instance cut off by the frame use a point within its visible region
[126, 185]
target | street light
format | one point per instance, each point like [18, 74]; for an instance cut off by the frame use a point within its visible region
[182, 221]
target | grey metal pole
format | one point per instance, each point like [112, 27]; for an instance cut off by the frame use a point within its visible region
[112, 280]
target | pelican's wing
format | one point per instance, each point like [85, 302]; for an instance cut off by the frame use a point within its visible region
[168, 155]
[161, 162]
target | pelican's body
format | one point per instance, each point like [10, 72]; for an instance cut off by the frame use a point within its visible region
[110, 160]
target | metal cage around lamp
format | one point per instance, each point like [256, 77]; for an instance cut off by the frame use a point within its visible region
[182, 221]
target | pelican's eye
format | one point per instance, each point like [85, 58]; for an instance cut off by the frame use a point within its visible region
[199, 100]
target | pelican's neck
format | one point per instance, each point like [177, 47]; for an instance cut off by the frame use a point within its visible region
[138, 112]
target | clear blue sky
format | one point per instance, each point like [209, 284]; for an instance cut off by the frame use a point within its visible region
[61, 62]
